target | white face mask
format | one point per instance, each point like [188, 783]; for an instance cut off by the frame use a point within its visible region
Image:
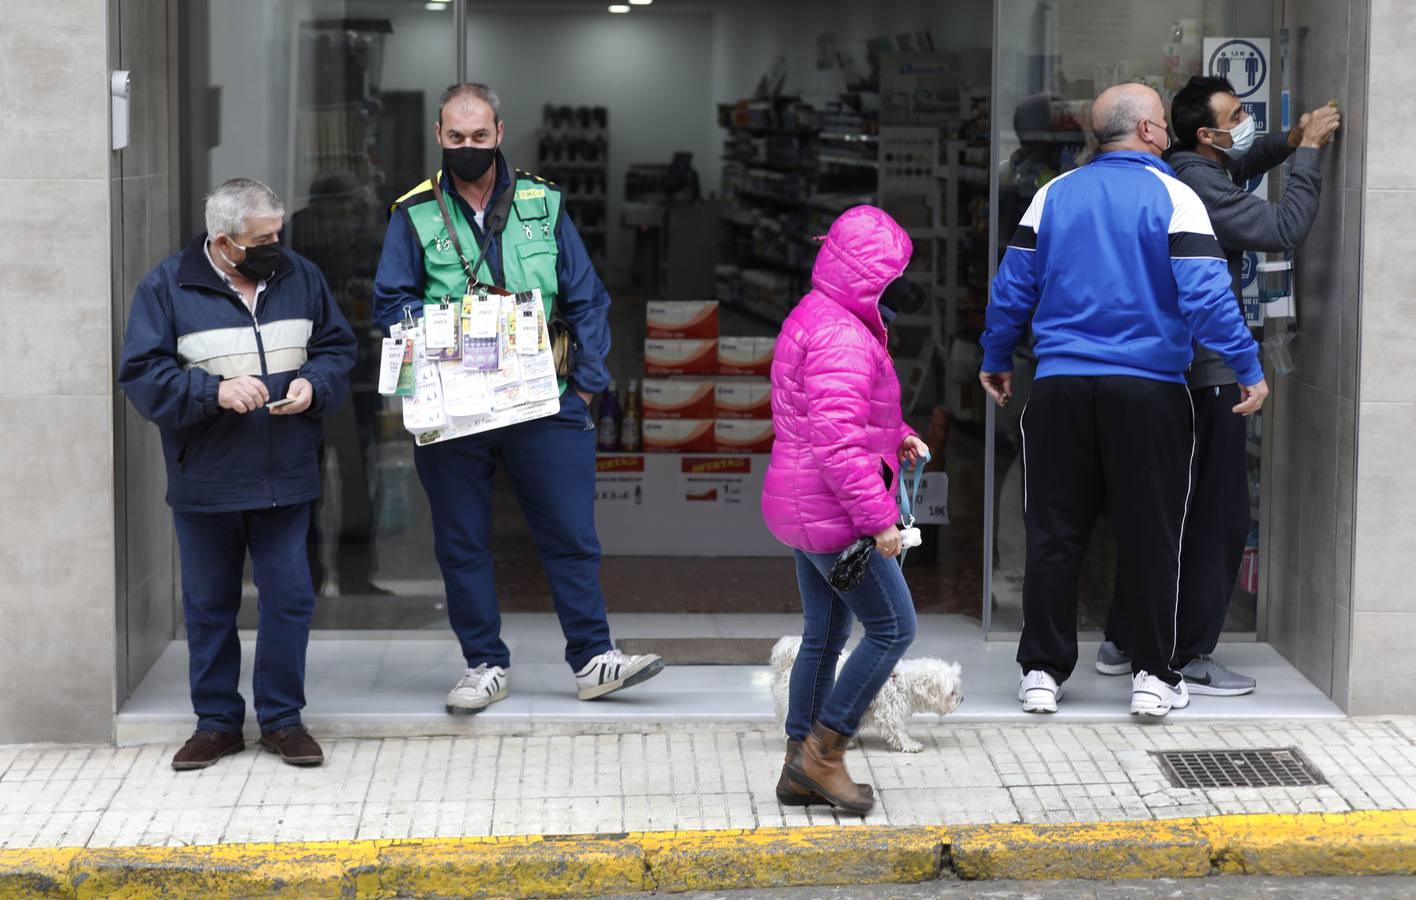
[1241, 138]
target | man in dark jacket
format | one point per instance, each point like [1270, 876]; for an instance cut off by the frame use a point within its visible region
[235, 348]
[1218, 155]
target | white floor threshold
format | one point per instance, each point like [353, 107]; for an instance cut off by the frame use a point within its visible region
[393, 684]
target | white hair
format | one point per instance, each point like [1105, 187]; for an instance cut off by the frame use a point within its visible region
[232, 203]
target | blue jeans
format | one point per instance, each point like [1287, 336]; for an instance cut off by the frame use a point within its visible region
[551, 462]
[884, 607]
[213, 550]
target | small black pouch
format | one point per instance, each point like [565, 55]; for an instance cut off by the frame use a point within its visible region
[849, 569]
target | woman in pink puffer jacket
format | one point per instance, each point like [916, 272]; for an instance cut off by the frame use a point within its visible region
[839, 436]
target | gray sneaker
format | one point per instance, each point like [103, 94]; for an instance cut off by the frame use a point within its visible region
[1112, 660]
[1205, 676]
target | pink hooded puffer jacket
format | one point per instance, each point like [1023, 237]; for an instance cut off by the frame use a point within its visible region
[835, 394]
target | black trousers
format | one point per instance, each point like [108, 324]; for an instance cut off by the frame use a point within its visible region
[1216, 530]
[1126, 445]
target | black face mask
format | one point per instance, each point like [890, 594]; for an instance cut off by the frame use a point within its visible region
[893, 299]
[469, 163]
[260, 261]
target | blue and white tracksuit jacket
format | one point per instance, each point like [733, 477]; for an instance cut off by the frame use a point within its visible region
[1117, 267]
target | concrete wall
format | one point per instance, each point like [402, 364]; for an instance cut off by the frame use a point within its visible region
[57, 519]
[1383, 624]
[1311, 424]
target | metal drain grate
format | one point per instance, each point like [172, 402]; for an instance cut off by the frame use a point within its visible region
[1238, 768]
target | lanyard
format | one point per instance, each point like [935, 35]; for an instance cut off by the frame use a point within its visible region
[470, 269]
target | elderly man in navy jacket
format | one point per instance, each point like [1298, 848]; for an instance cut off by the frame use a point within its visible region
[235, 348]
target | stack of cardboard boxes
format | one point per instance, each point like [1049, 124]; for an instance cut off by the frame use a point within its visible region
[704, 393]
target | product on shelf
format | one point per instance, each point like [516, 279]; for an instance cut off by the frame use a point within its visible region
[679, 319]
[742, 436]
[610, 416]
[678, 436]
[680, 357]
[631, 434]
[679, 399]
[743, 400]
[745, 355]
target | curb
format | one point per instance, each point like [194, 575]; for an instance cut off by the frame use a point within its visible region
[1357, 843]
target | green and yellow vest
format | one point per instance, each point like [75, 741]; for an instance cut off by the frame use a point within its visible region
[527, 243]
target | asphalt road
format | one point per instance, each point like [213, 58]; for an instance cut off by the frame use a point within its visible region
[1227, 888]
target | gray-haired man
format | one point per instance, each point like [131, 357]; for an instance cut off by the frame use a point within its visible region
[235, 348]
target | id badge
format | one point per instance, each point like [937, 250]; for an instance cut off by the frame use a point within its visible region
[483, 315]
[407, 382]
[528, 336]
[440, 326]
[391, 359]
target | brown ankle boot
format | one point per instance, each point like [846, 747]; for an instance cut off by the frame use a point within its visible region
[821, 767]
[789, 793]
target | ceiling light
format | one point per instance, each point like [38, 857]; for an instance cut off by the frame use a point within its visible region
[640, 2]
[436, 5]
[619, 8]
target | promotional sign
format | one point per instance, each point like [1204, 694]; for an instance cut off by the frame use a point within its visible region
[670, 504]
[716, 479]
[619, 480]
[931, 501]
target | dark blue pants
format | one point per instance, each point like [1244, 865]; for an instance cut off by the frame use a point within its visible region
[213, 550]
[883, 604]
[551, 462]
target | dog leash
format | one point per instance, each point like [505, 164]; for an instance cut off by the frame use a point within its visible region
[908, 492]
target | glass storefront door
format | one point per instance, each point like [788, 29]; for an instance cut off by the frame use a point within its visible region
[331, 103]
[1053, 58]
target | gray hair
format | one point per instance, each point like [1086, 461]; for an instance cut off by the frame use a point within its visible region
[233, 202]
[1118, 120]
[474, 90]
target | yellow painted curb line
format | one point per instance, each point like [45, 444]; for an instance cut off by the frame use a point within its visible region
[1360, 843]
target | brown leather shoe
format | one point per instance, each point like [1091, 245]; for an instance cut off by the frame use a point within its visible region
[821, 767]
[206, 747]
[789, 793]
[294, 745]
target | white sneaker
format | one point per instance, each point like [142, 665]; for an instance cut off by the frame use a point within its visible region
[477, 689]
[1039, 692]
[1151, 696]
[613, 671]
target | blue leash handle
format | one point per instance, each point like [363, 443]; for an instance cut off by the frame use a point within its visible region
[908, 490]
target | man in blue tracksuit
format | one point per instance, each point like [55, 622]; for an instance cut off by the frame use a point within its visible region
[481, 221]
[1117, 268]
[235, 349]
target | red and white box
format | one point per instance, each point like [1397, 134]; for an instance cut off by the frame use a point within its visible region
[680, 357]
[679, 319]
[742, 436]
[681, 398]
[678, 436]
[1249, 570]
[743, 399]
[745, 355]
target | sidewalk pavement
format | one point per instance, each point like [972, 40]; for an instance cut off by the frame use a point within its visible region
[687, 781]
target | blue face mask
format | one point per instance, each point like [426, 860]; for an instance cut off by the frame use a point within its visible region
[887, 315]
[1241, 138]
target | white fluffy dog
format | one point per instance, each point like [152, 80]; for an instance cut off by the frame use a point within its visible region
[916, 685]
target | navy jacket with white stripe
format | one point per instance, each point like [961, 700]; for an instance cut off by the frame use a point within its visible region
[187, 331]
[1117, 267]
